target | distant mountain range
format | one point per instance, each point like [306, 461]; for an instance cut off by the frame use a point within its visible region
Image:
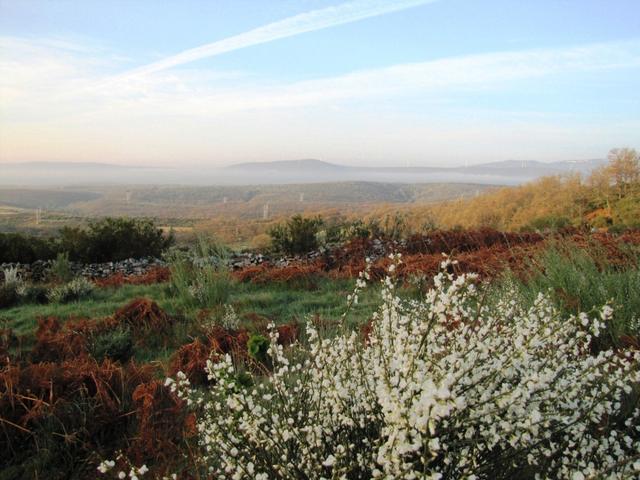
[306, 164]
[509, 172]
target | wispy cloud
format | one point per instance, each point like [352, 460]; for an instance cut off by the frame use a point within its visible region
[47, 95]
[305, 22]
[43, 77]
[464, 74]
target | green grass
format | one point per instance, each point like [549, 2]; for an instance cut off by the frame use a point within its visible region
[580, 280]
[103, 302]
[277, 302]
[282, 304]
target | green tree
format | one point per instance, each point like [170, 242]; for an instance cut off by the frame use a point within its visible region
[297, 235]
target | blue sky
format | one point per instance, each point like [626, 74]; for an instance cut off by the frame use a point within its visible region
[356, 82]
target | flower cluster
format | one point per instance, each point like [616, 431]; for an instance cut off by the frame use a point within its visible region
[445, 387]
[361, 283]
[230, 320]
[134, 472]
[11, 276]
[13, 283]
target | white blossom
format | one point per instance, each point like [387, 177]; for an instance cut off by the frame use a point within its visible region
[447, 387]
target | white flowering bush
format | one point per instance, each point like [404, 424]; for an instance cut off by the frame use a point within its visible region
[229, 320]
[12, 288]
[448, 387]
[11, 276]
[13, 282]
[76, 289]
[135, 473]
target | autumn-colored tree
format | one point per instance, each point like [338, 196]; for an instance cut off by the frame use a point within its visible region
[599, 183]
[624, 169]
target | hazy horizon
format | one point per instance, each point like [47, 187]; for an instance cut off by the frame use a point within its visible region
[359, 83]
[390, 164]
[305, 171]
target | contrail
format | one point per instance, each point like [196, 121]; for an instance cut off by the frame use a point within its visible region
[305, 22]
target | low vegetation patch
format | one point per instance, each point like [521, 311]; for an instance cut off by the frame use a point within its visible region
[104, 240]
[77, 289]
[350, 364]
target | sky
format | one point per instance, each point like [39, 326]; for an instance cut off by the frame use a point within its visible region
[198, 83]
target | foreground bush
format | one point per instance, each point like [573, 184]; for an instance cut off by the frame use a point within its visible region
[447, 387]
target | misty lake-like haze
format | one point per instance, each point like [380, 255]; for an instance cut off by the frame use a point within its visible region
[296, 171]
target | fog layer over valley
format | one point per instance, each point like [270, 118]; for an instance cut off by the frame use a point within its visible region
[511, 172]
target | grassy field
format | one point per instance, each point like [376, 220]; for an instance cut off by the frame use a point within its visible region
[279, 303]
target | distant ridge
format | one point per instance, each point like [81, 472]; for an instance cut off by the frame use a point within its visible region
[508, 170]
[53, 165]
[504, 165]
[293, 165]
[310, 170]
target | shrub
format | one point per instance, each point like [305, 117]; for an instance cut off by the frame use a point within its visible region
[548, 223]
[200, 277]
[8, 296]
[626, 212]
[16, 247]
[230, 320]
[258, 346]
[116, 345]
[61, 268]
[261, 242]
[36, 294]
[112, 239]
[209, 287]
[297, 235]
[75, 242]
[72, 291]
[105, 240]
[446, 387]
[12, 288]
[340, 231]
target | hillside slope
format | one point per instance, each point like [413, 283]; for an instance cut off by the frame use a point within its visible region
[608, 198]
